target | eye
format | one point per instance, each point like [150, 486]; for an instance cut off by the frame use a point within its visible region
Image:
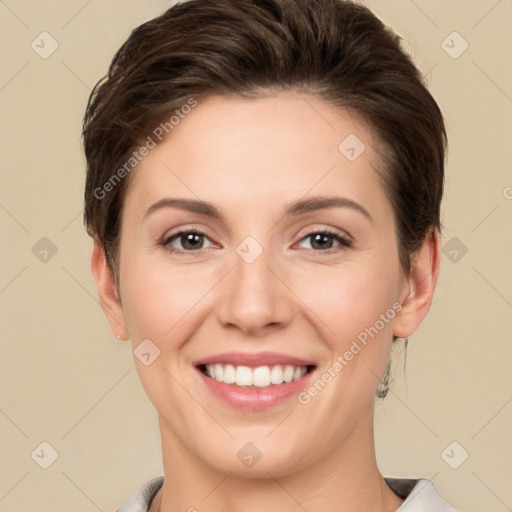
[190, 241]
[322, 241]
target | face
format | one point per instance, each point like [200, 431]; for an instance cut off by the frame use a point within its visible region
[270, 294]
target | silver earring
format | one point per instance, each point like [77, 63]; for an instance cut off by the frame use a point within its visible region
[383, 387]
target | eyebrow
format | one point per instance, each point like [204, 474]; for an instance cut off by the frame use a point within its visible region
[293, 209]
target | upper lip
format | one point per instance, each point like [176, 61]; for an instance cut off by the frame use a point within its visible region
[253, 360]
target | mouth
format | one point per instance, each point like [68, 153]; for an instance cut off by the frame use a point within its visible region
[259, 377]
[256, 381]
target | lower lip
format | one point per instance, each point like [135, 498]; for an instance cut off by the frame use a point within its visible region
[250, 398]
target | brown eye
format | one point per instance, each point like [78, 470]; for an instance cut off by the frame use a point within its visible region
[189, 241]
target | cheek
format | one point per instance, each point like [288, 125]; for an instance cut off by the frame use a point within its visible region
[159, 301]
[355, 309]
[163, 305]
[346, 299]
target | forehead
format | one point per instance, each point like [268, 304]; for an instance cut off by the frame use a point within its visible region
[265, 148]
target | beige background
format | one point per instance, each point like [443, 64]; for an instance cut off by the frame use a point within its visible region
[66, 381]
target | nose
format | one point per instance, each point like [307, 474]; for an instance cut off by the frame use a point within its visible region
[254, 297]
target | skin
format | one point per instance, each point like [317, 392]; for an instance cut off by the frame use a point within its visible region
[251, 158]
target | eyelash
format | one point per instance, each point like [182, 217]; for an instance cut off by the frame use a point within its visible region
[344, 242]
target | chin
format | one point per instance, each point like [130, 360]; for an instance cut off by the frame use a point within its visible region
[256, 460]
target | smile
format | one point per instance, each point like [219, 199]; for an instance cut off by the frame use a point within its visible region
[259, 377]
[254, 381]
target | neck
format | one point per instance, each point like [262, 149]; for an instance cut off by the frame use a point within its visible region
[345, 479]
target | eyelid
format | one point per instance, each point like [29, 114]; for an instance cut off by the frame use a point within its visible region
[344, 239]
[327, 230]
[185, 229]
[166, 239]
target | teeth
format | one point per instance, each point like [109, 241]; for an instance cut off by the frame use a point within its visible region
[261, 377]
[289, 371]
[218, 372]
[276, 375]
[229, 375]
[243, 376]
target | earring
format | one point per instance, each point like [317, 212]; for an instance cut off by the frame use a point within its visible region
[383, 387]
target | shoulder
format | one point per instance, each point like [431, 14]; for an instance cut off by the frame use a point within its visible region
[140, 500]
[420, 495]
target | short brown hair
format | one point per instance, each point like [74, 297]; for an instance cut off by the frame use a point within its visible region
[337, 50]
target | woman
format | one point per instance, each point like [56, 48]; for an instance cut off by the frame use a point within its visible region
[263, 190]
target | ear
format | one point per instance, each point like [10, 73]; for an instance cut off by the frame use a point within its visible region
[107, 291]
[422, 282]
